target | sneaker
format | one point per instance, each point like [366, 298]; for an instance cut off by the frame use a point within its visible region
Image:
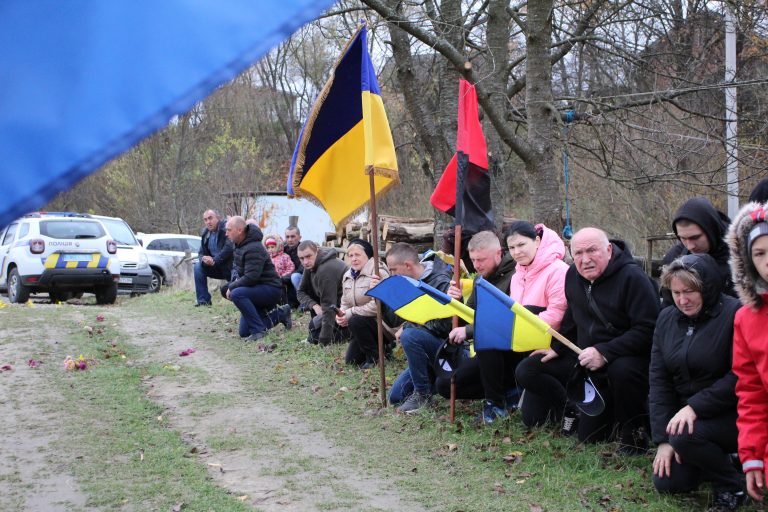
[207, 303]
[729, 500]
[255, 336]
[369, 365]
[570, 422]
[416, 401]
[285, 316]
[491, 413]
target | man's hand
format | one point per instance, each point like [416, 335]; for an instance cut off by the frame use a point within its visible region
[317, 309]
[398, 333]
[341, 319]
[228, 292]
[662, 464]
[208, 260]
[549, 354]
[685, 416]
[455, 292]
[591, 359]
[375, 280]
[458, 335]
[756, 484]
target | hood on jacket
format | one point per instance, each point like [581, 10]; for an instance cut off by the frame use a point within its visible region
[748, 283]
[277, 238]
[551, 248]
[252, 234]
[706, 268]
[713, 222]
[324, 254]
[620, 258]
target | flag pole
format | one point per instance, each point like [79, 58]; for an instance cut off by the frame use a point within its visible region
[379, 326]
[455, 319]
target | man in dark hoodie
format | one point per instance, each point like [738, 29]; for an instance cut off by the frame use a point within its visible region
[420, 342]
[255, 286]
[612, 310]
[215, 256]
[320, 291]
[701, 229]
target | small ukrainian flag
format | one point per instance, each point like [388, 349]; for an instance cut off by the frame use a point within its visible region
[418, 302]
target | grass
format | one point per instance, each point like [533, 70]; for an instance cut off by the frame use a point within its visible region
[125, 454]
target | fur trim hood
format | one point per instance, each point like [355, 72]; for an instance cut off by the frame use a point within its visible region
[748, 283]
[278, 240]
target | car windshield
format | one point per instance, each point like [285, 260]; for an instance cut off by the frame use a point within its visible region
[71, 229]
[120, 231]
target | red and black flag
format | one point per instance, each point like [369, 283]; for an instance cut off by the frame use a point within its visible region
[464, 190]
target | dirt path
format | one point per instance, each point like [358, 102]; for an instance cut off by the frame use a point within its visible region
[259, 452]
[33, 476]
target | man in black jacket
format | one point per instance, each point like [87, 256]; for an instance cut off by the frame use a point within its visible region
[214, 256]
[700, 229]
[420, 342]
[320, 291]
[255, 287]
[612, 310]
[291, 248]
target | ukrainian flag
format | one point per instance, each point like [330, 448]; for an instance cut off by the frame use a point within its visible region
[418, 302]
[345, 139]
[503, 324]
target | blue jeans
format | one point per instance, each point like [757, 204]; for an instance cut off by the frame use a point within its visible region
[402, 388]
[296, 280]
[257, 307]
[202, 273]
[420, 347]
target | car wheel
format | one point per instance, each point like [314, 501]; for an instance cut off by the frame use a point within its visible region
[17, 291]
[156, 282]
[106, 294]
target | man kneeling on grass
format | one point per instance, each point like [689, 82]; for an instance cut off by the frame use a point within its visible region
[255, 287]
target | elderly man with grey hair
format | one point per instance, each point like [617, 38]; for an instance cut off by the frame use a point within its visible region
[612, 310]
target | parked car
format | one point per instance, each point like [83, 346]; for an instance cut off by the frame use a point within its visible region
[135, 274]
[61, 254]
[165, 252]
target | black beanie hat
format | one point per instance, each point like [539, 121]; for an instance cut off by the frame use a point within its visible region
[367, 247]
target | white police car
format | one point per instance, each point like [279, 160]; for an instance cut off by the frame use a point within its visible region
[60, 254]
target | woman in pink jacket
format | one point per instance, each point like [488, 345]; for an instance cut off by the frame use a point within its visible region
[538, 284]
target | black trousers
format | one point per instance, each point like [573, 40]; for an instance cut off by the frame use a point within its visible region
[705, 457]
[497, 372]
[364, 340]
[469, 385]
[623, 385]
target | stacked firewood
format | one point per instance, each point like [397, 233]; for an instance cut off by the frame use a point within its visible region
[418, 232]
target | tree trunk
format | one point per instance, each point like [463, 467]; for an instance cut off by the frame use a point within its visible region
[540, 169]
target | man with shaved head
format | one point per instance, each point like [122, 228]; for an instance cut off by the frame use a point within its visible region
[612, 309]
[214, 257]
[254, 286]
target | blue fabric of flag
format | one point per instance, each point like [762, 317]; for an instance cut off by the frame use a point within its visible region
[84, 80]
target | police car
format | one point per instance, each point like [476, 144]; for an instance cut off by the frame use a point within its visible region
[60, 254]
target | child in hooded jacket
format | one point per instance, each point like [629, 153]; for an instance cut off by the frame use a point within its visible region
[282, 262]
[748, 241]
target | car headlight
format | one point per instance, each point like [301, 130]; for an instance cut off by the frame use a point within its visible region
[143, 261]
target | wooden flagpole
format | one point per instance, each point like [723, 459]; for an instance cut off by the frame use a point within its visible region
[455, 320]
[379, 326]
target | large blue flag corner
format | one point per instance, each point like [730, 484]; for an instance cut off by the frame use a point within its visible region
[84, 81]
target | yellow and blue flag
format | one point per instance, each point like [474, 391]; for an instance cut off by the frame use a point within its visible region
[345, 138]
[418, 302]
[503, 324]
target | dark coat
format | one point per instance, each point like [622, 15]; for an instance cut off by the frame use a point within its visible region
[628, 301]
[321, 285]
[293, 252]
[691, 357]
[226, 248]
[251, 264]
[714, 223]
[500, 278]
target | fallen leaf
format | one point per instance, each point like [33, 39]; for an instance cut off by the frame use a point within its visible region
[498, 488]
[99, 318]
[178, 507]
[315, 388]
[293, 380]
[507, 440]
[243, 497]
[187, 352]
[536, 508]
[6, 368]
[452, 447]
[513, 457]
[33, 363]
[141, 454]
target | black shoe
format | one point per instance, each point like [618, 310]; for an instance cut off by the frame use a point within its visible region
[729, 500]
[633, 441]
[208, 303]
[255, 336]
[285, 316]
[570, 422]
[368, 365]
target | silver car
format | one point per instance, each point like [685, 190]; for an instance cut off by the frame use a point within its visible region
[169, 256]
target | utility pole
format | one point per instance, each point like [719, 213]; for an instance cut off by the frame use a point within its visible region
[731, 142]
